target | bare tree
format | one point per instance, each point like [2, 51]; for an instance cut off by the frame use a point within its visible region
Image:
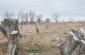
[19, 18]
[39, 18]
[47, 22]
[32, 16]
[23, 17]
[26, 17]
[55, 16]
[19, 15]
[70, 20]
[8, 14]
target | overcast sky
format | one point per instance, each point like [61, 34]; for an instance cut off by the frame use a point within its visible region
[67, 9]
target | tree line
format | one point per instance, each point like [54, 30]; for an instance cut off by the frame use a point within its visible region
[30, 17]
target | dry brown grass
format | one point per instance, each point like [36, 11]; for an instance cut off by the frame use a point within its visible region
[30, 39]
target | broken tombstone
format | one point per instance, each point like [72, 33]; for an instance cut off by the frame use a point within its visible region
[74, 44]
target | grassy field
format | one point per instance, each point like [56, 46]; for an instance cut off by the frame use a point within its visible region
[49, 39]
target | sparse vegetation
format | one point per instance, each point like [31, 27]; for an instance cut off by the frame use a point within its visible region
[38, 37]
[42, 27]
[35, 49]
[34, 42]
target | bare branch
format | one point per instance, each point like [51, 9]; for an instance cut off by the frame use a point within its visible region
[32, 16]
[8, 14]
[55, 16]
[39, 18]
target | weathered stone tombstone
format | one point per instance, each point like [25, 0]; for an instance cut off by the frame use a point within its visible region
[9, 27]
[74, 44]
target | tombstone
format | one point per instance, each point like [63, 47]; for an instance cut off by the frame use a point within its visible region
[9, 27]
[74, 44]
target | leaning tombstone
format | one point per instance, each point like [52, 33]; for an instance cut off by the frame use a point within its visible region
[9, 27]
[74, 44]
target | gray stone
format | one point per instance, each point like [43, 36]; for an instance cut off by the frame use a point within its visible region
[9, 27]
[74, 44]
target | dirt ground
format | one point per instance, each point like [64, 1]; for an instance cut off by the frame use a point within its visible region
[48, 39]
